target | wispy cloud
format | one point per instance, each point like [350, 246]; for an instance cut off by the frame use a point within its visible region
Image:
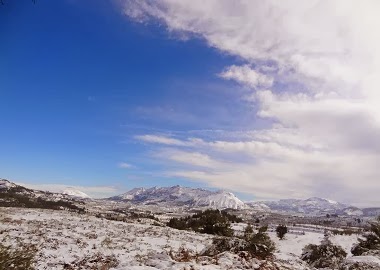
[312, 68]
[124, 165]
[247, 76]
[162, 139]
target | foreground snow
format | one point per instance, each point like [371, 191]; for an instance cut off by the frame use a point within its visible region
[293, 244]
[70, 241]
[67, 240]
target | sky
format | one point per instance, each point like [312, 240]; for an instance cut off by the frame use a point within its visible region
[267, 99]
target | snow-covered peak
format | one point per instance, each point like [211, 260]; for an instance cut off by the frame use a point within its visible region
[6, 184]
[130, 195]
[182, 196]
[75, 193]
[331, 201]
[221, 199]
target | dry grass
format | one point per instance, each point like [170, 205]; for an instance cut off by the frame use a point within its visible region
[21, 258]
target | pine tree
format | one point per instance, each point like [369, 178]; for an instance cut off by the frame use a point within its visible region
[281, 230]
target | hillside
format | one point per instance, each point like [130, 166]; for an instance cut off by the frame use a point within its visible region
[181, 196]
[12, 195]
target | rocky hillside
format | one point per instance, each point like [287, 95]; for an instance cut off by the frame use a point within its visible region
[13, 195]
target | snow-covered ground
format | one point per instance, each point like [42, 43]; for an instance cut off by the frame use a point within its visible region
[293, 244]
[68, 240]
[65, 239]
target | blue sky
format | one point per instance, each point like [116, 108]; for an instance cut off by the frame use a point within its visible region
[269, 100]
[78, 82]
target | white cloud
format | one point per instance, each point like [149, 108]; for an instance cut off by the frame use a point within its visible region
[190, 158]
[124, 165]
[313, 66]
[246, 75]
[160, 140]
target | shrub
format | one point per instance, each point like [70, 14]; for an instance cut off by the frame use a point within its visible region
[281, 230]
[258, 245]
[248, 231]
[93, 261]
[182, 255]
[370, 242]
[325, 255]
[222, 244]
[208, 221]
[178, 223]
[263, 229]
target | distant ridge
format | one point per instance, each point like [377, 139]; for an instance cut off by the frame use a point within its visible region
[15, 195]
[313, 206]
[182, 196]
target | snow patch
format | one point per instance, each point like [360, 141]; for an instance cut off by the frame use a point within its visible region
[75, 193]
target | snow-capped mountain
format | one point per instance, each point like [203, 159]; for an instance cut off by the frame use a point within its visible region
[75, 193]
[182, 196]
[221, 199]
[313, 206]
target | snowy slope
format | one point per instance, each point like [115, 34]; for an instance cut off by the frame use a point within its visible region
[75, 193]
[66, 240]
[5, 184]
[221, 199]
[130, 195]
[182, 196]
[353, 211]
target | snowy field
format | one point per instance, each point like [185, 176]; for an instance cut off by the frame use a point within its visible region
[293, 244]
[66, 240]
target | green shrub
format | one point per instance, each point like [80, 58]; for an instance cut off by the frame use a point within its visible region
[281, 230]
[263, 229]
[370, 242]
[325, 255]
[208, 221]
[222, 244]
[258, 245]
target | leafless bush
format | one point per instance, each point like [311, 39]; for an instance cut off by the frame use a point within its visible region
[96, 261]
[183, 255]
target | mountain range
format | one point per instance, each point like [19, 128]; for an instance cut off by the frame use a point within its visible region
[313, 206]
[182, 196]
[177, 196]
[12, 194]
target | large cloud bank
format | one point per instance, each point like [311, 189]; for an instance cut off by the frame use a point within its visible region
[313, 71]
